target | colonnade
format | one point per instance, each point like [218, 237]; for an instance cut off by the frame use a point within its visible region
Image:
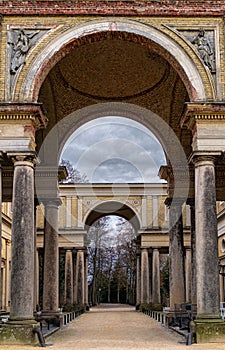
[149, 280]
[75, 282]
[199, 284]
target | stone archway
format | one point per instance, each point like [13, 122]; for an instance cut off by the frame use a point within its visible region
[180, 81]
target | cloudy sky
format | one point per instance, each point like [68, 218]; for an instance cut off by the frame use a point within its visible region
[115, 150]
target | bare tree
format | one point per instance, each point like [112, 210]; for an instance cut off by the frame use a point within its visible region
[74, 175]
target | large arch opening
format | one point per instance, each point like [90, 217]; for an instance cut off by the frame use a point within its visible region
[111, 242]
[126, 75]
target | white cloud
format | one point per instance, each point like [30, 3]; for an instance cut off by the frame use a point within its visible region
[115, 149]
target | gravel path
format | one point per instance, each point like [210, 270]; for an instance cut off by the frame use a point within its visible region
[116, 327]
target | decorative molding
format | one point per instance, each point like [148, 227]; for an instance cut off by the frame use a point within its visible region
[20, 42]
[24, 112]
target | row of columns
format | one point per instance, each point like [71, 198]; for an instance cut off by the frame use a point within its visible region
[205, 241]
[24, 266]
[148, 277]
[202, 287]
[76, 277]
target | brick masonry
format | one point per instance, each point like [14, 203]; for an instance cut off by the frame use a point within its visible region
[130, 8]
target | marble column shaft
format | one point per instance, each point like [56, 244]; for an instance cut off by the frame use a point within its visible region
[138, 281]
[51, 258]
[176, 253]
[86, 281]
[80, 277]
[193, 255]
[155, 277]
[22, 268]
[144, 276]
[222, 286]
[206, 238]
[188, 275]
[74, 278]
[69, 277]
[1, 282]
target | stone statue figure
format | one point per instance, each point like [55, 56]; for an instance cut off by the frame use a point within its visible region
[204, 48]
[20, 47]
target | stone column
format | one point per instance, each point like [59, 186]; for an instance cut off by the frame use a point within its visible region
[206, 238]
[74, 277]
[222, 285]
[193, 252]
[0, 234]
[51, 257]
[144, 276]
[188, 275]
[138, 281]
[86, 281]
[69, 277]
[80, 277]
[176, 253]
[22, 268]
[155, 277]
[8, 275]
[36, 262]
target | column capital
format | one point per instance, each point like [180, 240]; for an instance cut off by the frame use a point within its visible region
[201, 158]
[23, 158]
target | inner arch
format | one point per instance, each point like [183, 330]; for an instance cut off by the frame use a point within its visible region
[112, 208]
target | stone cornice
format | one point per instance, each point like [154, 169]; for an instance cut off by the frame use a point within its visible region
[131, 8]
[23, 112]
[58, 172]
[194, 112]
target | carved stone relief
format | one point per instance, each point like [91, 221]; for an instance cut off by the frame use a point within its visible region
[204, 42]
[20, 41]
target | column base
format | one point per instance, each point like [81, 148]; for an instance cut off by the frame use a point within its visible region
[12, 333]
[209, 330]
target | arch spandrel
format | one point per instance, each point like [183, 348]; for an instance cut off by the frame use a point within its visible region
[39, 64]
